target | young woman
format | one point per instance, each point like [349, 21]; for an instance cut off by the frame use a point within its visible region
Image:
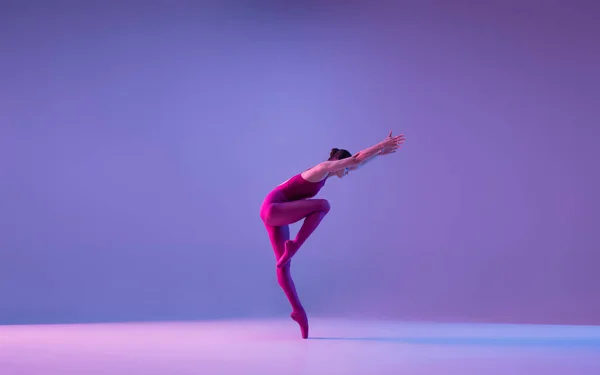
[291, 202]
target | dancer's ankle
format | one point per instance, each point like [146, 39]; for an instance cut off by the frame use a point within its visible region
[292, 247]
[298, 311]
[290, 251]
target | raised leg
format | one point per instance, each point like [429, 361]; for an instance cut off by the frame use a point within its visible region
[278, 236]
[311, 210]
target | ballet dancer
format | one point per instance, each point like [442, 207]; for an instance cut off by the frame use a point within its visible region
[291, 202]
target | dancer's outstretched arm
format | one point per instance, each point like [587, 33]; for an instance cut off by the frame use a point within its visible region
[388, 146]
[385, 147]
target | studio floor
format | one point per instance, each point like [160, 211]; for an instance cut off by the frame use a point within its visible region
[275, 347]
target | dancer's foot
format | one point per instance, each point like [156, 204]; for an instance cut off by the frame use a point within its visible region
[290, 251]
[302, 320]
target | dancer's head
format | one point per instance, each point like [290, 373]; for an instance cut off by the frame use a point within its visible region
[338, 154]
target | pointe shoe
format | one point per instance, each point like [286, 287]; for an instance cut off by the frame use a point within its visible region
[290, 251]
[302, 320]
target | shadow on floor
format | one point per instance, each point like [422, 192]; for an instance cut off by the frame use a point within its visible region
[480, 341]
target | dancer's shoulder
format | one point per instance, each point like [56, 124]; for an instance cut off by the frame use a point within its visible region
[314, 174]
[285, 182]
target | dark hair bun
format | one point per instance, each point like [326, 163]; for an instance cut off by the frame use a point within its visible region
[333, 152]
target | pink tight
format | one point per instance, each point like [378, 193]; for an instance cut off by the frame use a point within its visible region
[277, 216]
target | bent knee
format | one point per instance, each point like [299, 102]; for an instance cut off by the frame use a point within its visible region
[325, 206]
[265, 213]
[268, 216]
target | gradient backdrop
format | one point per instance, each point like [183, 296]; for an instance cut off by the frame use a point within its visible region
[138, 141]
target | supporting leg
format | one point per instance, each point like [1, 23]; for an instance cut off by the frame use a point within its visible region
[278, 236]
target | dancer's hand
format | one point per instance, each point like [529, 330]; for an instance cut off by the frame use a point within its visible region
[392, 140]
[387, 151]
[391, 143]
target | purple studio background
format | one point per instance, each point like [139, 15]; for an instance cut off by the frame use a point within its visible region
[137, 143]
